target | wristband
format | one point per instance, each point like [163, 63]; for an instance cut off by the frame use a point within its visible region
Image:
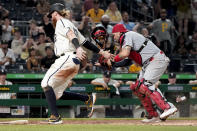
[75, 42]
[117, 58]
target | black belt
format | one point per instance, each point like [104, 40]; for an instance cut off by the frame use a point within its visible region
[143, 45]
[64, 54]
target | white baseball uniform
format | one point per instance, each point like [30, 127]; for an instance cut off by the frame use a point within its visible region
[67, 65]
[153, 60]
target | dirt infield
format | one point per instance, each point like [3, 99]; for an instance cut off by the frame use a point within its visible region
[107, 121]
[125, 122]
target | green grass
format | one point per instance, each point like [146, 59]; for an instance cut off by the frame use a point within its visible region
[95, 128]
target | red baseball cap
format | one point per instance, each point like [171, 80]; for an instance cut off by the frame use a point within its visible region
[119, 28]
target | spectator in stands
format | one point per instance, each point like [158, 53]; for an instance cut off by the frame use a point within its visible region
[183, 107]
[183, 15]
[142, 29]
[77, 9]
[4, 110]
[87, 5]
[70, 17]
[105, 22]
[7, 56]
[143, 9]
[163, 28]
[7, 31]
[43, 6]
[34, 30]
[32, 62]
[113, 13]
[17, 42]
[180, 47]
[49, 59]
[42, 43]
[86, 26]
[194, 12]
[95, 13]
[106, 80]
[30, 43]
[125, 21]
[48, 27]
[3, 12]
[192, 44]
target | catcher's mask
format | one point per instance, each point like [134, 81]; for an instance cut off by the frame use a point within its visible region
[99, 33]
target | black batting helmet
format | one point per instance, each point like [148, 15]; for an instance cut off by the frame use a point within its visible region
[55, 7]
[99, 33]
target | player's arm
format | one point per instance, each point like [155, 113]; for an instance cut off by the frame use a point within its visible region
[94, 48]
[123, 63]
[123, 54]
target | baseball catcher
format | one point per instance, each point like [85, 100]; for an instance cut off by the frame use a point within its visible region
[153, 61]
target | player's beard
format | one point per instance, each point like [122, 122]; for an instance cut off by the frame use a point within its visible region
[54, 23]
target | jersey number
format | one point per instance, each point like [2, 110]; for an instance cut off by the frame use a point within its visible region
[75, 31]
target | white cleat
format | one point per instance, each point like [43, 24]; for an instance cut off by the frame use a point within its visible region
[168, 112]
[150, 120]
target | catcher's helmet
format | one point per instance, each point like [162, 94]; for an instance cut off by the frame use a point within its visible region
[55, 7]
[99, 33]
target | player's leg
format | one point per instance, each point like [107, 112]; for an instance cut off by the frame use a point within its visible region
[152, 74]
[66, 74]
[53, 78]
[147, 103]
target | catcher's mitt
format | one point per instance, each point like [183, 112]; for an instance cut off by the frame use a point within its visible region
[106, 63]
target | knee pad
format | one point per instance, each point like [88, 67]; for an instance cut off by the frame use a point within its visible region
[144, 89]
[134, 85]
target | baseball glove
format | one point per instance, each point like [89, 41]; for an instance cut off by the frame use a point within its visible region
[106, 63]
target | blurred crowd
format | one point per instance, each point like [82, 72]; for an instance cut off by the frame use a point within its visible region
[170, 24]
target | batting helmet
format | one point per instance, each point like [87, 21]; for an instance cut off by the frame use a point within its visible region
[119, 28]
[99, 33]
[55, 7]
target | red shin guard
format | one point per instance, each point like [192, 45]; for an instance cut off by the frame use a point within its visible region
[155, 96]
[146, 101]
[158, 99]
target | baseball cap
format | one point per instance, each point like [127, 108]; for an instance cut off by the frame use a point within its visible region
[3, 72]
[4, 42]
[119, 28]
[55, 7]
[172, 75]
[107, 74]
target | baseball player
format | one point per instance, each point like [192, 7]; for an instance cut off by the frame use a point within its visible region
[70, 54]
[153, 62]
[100, 36]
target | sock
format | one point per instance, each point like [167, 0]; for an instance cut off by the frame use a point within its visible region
[74, 96]
[51, 100]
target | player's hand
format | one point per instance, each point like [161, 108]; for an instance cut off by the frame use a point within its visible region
[106, 54]
[105, 86]
[81, 54]
[97, 64]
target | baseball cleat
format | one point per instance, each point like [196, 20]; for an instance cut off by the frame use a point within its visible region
[168, 112]
[90, 104]
[55, 120]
